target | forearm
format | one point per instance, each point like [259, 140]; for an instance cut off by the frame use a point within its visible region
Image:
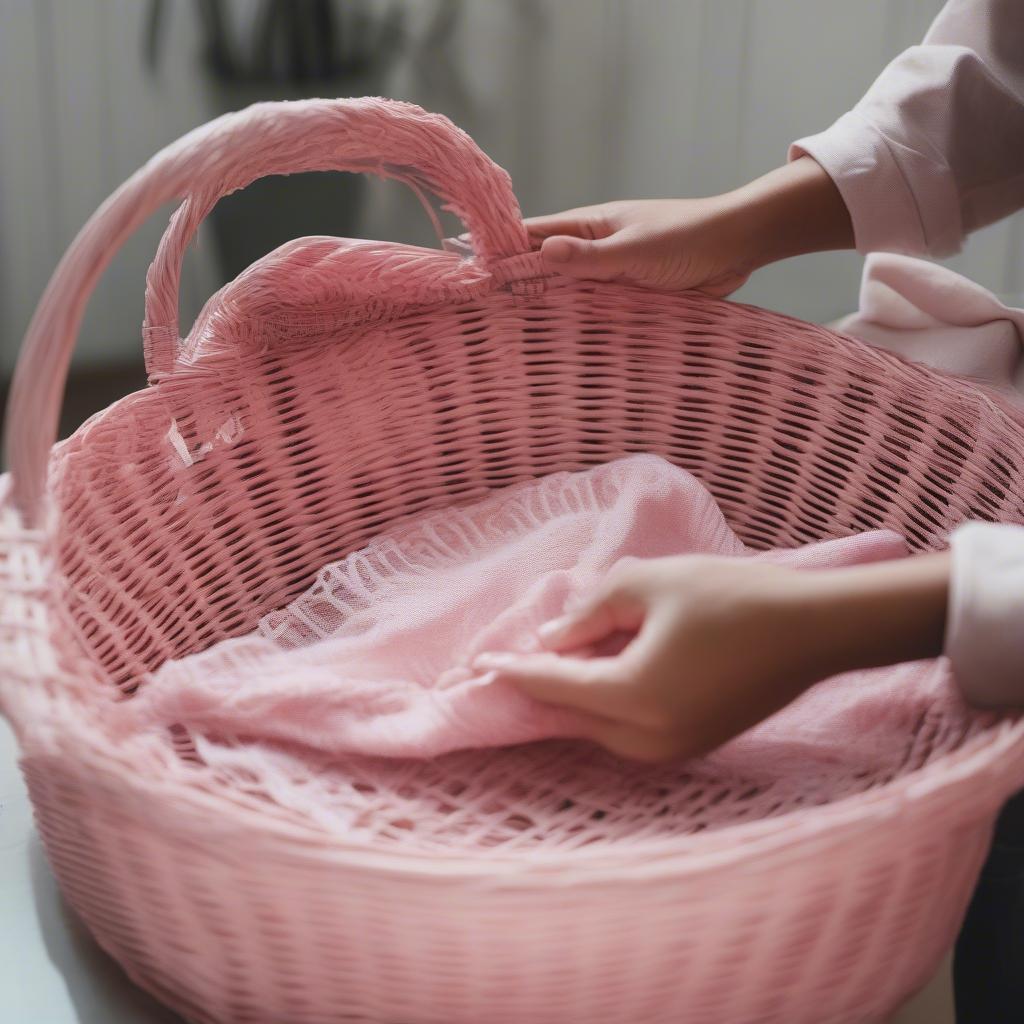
[872, 615]
[793, 210]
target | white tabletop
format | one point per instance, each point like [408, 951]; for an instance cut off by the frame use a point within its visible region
[51, 972]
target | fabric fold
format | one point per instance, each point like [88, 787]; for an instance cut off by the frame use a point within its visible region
[374, 657]
[932, 315]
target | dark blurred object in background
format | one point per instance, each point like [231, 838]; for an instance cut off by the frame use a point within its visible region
[287, 40]
[281, 50]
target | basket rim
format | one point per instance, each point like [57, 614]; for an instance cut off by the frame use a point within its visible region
[992, 398]
[906, 802]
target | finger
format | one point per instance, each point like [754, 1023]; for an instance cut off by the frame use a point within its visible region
[582, 683]
[580, 223]
[644, 657]
[616, 605]
[595, 619]
[649, 643]
[594, 260]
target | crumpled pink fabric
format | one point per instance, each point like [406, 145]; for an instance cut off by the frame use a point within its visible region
[373, 658]
[928, 313]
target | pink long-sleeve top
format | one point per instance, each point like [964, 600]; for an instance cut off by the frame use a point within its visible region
[933, 151]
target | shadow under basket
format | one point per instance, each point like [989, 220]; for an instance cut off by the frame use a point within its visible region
[337, 388]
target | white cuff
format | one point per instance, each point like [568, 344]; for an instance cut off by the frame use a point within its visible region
[985, 622]
[873, 174]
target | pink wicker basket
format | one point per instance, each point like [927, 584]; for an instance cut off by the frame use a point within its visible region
[334, 389]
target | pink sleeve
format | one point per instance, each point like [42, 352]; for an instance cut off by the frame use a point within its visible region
[935, 148]
[985, 628]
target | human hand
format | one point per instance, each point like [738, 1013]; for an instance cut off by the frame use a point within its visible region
[720, 643]
[668, 244]
[717, 647]
[711, 244]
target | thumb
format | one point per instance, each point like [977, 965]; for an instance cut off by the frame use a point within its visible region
[580, 683]
[596, 618]
[597, 259]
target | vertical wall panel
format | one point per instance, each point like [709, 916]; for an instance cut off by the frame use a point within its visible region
[28, 231]
[652, 98]
[723, 88]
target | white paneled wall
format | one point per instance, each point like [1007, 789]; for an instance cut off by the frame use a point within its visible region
[582, 100]
[77, 116]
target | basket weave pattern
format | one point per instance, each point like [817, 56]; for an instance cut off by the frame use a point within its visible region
[339, 388]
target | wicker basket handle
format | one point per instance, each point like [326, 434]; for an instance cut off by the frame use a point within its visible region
[384, 137]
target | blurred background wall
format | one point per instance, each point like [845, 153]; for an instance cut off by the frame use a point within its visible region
[581, 100]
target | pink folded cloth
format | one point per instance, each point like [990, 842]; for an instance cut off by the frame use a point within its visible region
[374, 658]
[933, 315]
